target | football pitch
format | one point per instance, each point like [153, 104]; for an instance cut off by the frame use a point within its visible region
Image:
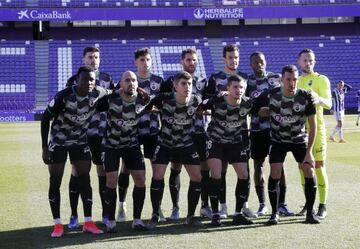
[26, 221]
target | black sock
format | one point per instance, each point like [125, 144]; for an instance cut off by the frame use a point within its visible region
[85, 193]
[205, 188]
[54, 196]
[310, 193]
[222, 196]
[138, 201]
[214, 191]
[241, 193]
[193, 196]
[123, 183]
[110, 195]
[73, 194]
[273, 189]
[174, 186]
[282, 194]
[260, 193]
[102, 185]
[156, 193]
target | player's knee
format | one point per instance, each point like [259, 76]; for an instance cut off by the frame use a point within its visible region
[111, 180]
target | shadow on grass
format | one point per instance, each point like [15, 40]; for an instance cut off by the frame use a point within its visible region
[39, 237]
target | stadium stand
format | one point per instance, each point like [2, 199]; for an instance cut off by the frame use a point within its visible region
[17, 76]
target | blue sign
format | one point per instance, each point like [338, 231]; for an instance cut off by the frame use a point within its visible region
[82, 14]
[16, 117]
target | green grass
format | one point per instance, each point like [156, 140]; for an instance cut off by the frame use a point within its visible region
[25, 217]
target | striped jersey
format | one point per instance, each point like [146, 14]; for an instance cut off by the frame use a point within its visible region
[149, 122]
[198, 86]
[358, 99]
[254, 88]
[338, 100]
[97, 124]
[287, 114]
[73, 114]
[227, 121]
[123, 119]
[176, 119]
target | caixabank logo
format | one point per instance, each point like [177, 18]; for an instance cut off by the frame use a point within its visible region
[43, 15]
[218, 13]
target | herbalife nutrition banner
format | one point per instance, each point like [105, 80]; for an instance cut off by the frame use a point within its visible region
[79, 14]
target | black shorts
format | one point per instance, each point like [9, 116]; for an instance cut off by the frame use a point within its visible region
[232, 153]
[278, 152]
[182, 155]
[132, 157]
[76, 153]
[200, 145]
[149, 145]
[260, 144]
[95, 148]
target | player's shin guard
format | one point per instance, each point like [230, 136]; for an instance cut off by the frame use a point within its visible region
[222, 196]
[310, 193]
[241, 193]
[110, 195]
[273, 189]
[156, 193]
[214, 192]
[102, 186]
[260, 191]
[123, 183]
[73, 194]
[205, 188]
[86, 193]
[174, 186]
[138, 201]
[193, 196]
[54, 196]
[322, 181]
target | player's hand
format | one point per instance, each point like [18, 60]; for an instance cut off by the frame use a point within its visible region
[47, 156]
[143, 94]
[222, 93]
[315, 97]
[309, 159]
[264, 112]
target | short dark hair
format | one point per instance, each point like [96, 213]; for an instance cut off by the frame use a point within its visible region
[187, 51]
[142, 52]
[235, 78]
[182, 75]
[306, 51]
[289, 69]
[256, 53]
[230, 48]
[90, 49]
[84, 69]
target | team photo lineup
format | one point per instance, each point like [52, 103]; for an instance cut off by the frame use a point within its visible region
[193, 122]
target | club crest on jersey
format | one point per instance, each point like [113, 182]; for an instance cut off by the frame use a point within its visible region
[104, 83]
[273, 81]
[297, 107]
[191, 110]
[154, 85]
[310, 83]
[200, 85]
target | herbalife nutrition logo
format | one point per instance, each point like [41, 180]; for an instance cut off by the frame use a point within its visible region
[44, 14]
[219, 13]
